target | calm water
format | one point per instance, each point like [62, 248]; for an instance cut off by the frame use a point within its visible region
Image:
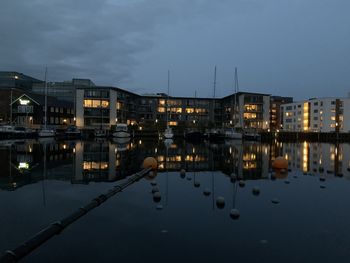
[309, 224]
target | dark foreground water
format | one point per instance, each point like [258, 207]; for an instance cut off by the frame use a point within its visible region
[309, 223]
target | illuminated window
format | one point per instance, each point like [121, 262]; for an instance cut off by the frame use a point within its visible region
[119, 105]
[306, 116]
[162, 102]
[251, 107]
[249, 115]
[96, 103]
[333, 118]
[161, 109]
[176, 110]
[172, 123]
[200, 110]
[189, 110]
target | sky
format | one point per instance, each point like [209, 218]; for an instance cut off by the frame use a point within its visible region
[298, 48]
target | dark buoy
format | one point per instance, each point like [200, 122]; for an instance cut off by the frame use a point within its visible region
[157, 197]
[234, 214]
[295, 176]
[220, 202]
[287, 182]
[189, 178]
[275, 201]
[233, 176]
[155, 189]
[196, 184]
[183, 172]
[256, 190]
[289, 170]
[322, 178]
[241, 183]
[153, 183]
[206, 191]
[322, 186]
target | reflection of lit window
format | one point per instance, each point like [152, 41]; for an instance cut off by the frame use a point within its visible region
[23, 165]
[119, 105]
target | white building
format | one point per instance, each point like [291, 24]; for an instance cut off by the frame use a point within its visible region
[317, 115]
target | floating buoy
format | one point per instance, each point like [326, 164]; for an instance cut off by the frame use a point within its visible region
[220, 202]
[153, 183]
[287, 182]
[322, 178]
[289, 170]
[188, 178]
[182, 172]
[275, 201]
[234, 214]
[256, 190]
[206, 191]
[233, 176]
[322, 186]
[156, 197]
[196, 184]
[155, 189]
[280, 163]
[241, 183]
[150, 162]
[273, 176]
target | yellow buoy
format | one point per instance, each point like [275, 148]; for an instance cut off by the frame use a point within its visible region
[280, 163]
[150, 162]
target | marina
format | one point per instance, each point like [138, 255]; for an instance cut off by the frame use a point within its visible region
[213, 195]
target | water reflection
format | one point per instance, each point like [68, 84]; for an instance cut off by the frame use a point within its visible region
[83, 162]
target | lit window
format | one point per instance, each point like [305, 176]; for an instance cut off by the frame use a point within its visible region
[161, 109]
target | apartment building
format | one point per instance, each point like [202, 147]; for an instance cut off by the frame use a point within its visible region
[317, 115]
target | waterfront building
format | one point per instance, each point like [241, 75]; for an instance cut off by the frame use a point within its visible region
[252, 110]
[28, 110]
[13, 79]
[64, 90]
[276, 115]
[105, 106]
[317, 115]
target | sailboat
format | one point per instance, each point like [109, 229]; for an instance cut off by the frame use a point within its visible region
[168, 133]
[46, 132]
[232, 133]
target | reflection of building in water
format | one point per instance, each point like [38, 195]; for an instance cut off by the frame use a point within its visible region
[318, 158]
[248, 160]
[22, 162]
[103, 161]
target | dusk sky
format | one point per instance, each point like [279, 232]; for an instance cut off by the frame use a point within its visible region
[298, 48]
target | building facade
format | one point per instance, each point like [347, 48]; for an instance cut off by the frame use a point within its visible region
[28, 110]
[103, 107]
[317, 115]
[246, 110]
[276, 113]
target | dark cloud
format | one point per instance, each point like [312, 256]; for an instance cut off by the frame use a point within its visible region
[281, 47]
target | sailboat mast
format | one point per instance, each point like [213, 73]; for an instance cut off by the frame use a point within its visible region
[45, 119]
[167, 101]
